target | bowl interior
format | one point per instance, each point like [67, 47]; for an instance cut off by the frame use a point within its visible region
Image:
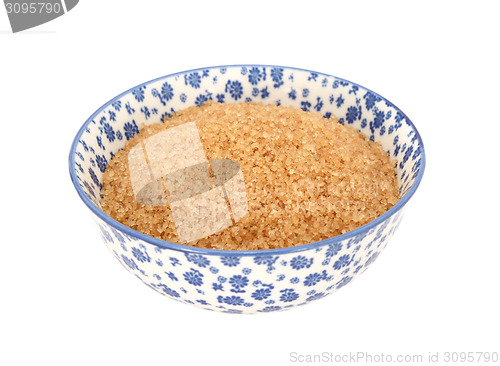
[112, 125]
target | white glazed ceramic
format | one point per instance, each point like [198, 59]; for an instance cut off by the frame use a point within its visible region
[246, 281]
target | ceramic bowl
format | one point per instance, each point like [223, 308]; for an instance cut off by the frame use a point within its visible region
[246, 281]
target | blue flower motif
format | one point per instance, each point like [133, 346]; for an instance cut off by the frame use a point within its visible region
[372, 259]
[168, 290]
[88, 188]
[193, 79]
[265, 260]
[238, 282]
[313, 279]
[231, 300]
[106, 235]
[117, 105]
[305, 105]
[288, 295]
[202, 98]
[233, 311]
[343, 261]
[230, 261]
[197, 259]
[319, 104]
[352, 114]
[94, 178]
[417, 153]
[140, 255]
[167, 91]
[110, 133]
[268, 309]
[344, 281]
[255, 75]
[378, 120]
[317, 296]
[333, 250]
[99, 142]
[264, 93]
[407, 154]
[118, 236]
[139, 93]
[194, 277]
[370, 100]
[221, 279]
[101, 162]
[146, 112]
[112, 115]
[312, 76]
[300, 262]
[339, 101]
[261, 293]
[292, 94]
[174, 261]
[131, 129]
[277, 76]
[129, 109]
[220, 98]
[172, 276]
[354, 90]
[217, 286]
[129, 262]
[234, 88]
[358, 268]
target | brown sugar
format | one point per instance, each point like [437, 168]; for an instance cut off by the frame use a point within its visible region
[307, 178]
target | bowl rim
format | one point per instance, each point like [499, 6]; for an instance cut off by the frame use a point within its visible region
[163, 244]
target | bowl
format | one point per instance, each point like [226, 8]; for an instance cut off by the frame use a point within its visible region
[246, 281]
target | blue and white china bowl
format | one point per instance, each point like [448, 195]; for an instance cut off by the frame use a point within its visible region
[246, 281]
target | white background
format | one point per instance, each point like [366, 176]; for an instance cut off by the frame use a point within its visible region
[66, 301]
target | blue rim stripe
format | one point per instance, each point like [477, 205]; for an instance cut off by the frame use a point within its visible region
[190, 249]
